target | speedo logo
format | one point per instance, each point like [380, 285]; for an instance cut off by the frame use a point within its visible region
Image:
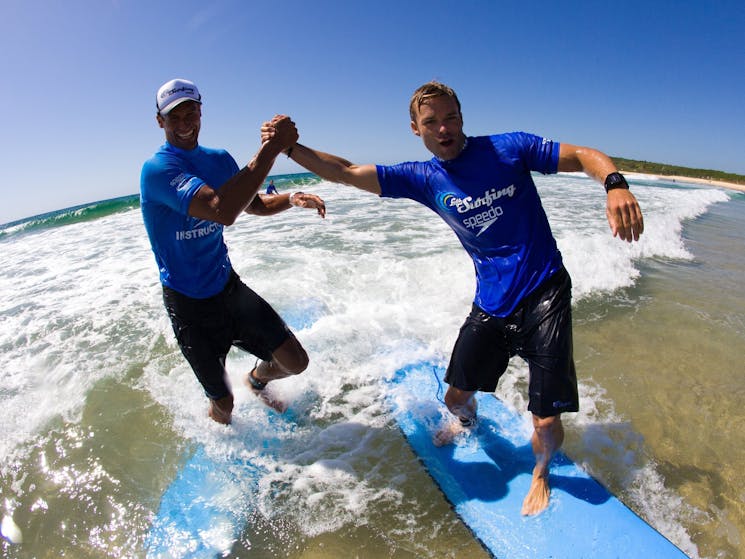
[484, 219]
[558, 404]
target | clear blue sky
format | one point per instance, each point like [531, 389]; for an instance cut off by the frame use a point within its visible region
[656, 80]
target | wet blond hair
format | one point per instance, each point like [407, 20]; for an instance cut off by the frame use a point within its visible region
[428, 91]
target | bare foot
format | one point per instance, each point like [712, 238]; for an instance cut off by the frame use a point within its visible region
[537, 499]
[263, 393]
[271, 401]
[447, 434]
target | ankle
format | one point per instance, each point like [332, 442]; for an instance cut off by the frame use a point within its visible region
[221, 409]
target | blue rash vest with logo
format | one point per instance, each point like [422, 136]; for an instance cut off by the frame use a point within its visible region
[488, 197]
[191, 254]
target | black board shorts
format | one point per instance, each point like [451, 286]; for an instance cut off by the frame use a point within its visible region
[540, 331]
[207, 328]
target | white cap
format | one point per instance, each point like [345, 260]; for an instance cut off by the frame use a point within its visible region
[174, 92]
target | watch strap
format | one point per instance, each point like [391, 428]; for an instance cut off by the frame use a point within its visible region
[615, 180]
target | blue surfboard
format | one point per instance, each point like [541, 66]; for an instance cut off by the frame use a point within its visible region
[203, 512]
[486, 474]
[195, 518]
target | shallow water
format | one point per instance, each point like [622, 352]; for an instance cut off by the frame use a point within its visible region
[102, 411]
[671, 359]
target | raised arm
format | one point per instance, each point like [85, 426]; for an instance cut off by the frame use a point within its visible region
[327, 166]
[336, 169]
[225, 204]
[621, 207]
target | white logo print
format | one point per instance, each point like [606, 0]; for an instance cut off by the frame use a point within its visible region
[482, 220]
[202, 228]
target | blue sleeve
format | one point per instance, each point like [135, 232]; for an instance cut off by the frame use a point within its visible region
[165, 183]
[537, 153]
[405, 180]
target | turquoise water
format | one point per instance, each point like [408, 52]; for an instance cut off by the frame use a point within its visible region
[101, 410]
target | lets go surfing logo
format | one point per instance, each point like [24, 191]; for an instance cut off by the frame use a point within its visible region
[482, 211]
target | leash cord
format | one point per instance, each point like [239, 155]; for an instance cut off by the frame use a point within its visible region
[438, 394]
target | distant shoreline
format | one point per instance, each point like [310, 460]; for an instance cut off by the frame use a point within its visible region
[677, 178]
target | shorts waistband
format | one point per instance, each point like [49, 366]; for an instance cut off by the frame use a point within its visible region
[230, 284]
[556, 279]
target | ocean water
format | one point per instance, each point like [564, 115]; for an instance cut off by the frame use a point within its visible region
[101, 411]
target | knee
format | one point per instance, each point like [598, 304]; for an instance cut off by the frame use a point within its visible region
[291, 358]
[460, 402]
[299, 365]
[295, 363]
[455, 397]
[548, 422]
[548, 426]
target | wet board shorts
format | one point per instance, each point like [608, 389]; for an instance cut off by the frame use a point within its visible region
[540, 331]
[207, 328]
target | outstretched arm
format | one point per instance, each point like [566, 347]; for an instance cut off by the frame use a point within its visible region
[233, 197]
[336, 169]
[621, 207]
[327, 166]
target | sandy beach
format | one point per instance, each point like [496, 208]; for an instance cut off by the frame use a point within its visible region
[675, 178]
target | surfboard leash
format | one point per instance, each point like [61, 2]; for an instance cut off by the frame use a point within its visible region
[438, 394]
[464, 421]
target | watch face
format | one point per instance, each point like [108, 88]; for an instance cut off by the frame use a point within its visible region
[615, 180]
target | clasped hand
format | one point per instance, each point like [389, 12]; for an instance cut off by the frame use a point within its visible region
[281, 129]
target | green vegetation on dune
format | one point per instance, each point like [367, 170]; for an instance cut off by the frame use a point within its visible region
[650, 168]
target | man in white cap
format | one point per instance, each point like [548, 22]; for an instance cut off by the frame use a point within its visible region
[188, 193]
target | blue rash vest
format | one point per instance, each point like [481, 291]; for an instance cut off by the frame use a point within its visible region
[488, 197]
[191, 254]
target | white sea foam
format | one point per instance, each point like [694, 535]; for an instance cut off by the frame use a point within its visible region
[387, 282]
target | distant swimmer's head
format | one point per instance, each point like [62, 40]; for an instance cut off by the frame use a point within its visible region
[173, 93]
[180, 113]
[437, 119]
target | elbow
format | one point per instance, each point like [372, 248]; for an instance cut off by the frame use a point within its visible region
[225, 213]
[224, 219]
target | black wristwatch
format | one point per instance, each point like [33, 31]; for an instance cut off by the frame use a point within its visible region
[615, 180]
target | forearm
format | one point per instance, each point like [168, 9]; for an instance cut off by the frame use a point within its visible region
[590, 161]
[336, 169]
[264, 204]
[240, 190]
[325, 165]
[622, 209]
[225, 204]
[270, 205]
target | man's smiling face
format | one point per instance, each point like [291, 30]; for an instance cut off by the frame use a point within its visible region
[182, 125]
